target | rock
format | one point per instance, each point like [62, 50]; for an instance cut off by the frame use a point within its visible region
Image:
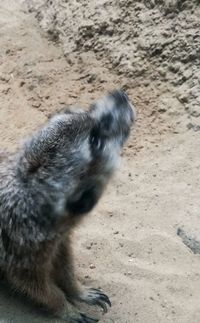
[4, 77]
[22, 83]
[193, 126]
[195, 111]
[174, 67]
[183, 97]
[91, 78]
[92, 266]
[193, 243]
[36, 104]
[162, 71]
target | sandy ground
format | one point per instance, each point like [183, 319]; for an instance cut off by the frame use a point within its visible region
[131, 237]
[147, 41]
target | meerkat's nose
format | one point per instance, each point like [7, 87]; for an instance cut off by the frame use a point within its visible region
[113, 115]
[121, 101]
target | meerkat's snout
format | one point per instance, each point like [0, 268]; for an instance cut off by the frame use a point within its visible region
[114, 115]
[123, 104]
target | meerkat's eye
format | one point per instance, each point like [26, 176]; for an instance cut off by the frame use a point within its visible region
[96, 140]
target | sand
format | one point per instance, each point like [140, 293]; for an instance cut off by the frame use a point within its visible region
[130, 239]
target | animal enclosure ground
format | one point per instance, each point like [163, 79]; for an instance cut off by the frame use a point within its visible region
[128, 246]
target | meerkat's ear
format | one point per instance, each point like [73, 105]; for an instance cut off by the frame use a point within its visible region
[39, 149]
[32, 157]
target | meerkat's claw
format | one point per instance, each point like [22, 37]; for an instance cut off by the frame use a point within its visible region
[97, 297]
[101, 299]
[104, 297]
[84, 319]
[87, 319]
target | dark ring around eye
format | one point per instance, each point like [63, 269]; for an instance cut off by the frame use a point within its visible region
[96, 142]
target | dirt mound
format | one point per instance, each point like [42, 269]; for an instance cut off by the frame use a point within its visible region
[151, 41]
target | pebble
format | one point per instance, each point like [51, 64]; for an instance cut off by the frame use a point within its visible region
[4, 77]
[89, 246]
[92, 266]
[193, 126]
[129, 273]
[36, 104]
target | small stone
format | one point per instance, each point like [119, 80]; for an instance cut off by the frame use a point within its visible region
[116, 232]
[21, 84]
[92, 266]
[174, 68]
[195, 127]
[5, 91]
[162, 71]
[73, 95]
[162, 110]
[91, 78]
[89, 246]
[190, 125]
[183, 98]
[146, 83]
[191, 241]
[36, 104]
[4, 77]
[187, 74]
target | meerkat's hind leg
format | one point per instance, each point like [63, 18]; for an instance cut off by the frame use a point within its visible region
[45, 293]
[65, 278]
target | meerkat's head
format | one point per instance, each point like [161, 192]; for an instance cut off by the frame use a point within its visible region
[112, 118]
[113, 115]
[69, 161]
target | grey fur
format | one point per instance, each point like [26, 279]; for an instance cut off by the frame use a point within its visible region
[71, 158]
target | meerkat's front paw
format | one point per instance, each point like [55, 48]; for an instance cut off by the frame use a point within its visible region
[83, 319]
[95, 296]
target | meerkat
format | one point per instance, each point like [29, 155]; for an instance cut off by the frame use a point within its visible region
[46, 188]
